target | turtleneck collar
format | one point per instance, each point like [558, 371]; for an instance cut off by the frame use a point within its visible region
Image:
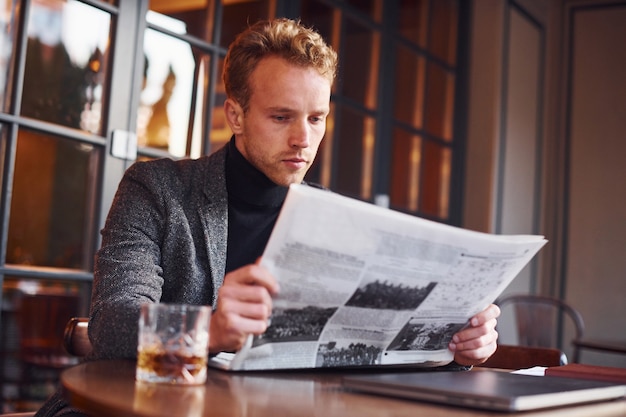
[248, 185]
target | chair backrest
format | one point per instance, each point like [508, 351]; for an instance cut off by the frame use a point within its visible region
[76, 338]
[538, 319]
[521, 357]
[41, 320]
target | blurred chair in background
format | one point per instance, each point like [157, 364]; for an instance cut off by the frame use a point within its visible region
[76, 338]
[523, 357]
[41, 318]
[539, 320]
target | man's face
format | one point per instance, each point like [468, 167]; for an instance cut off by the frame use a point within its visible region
[286, 119]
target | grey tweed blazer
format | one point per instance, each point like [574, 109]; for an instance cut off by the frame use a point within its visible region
[164, 240]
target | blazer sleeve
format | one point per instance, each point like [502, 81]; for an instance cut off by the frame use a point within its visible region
[127, 271]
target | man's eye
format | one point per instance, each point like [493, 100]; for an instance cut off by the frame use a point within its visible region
[280, 118]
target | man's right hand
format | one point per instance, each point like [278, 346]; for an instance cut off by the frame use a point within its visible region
[244, 306]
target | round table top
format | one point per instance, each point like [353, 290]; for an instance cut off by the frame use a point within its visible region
[104, 388]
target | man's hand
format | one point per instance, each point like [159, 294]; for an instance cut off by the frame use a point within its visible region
[477, 342]
[244, 306]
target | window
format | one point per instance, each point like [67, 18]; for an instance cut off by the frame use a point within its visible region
[392, 125]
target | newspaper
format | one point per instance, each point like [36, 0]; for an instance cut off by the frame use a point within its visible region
[363, 285]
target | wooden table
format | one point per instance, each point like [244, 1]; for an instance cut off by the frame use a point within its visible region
[105, 388]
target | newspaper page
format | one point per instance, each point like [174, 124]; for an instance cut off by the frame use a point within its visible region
[363, 285]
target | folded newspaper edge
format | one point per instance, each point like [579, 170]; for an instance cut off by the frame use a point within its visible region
[362, 285]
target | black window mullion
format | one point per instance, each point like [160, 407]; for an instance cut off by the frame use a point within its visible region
[384, 128]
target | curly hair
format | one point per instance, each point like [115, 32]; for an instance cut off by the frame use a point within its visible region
[284, 38]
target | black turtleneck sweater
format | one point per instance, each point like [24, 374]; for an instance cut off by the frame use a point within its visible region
[254, 202]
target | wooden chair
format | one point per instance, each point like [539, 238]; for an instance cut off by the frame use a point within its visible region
[75, 338]
[42, 319]
[76, 343]
[522, 357]
[539, 320]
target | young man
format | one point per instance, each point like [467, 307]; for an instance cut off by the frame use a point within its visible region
[191, 231]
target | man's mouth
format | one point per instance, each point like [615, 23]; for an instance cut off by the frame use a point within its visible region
[295, 163]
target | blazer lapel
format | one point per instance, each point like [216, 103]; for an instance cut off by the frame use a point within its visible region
[213, 211]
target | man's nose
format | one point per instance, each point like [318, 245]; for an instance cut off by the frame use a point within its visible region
[300, 135]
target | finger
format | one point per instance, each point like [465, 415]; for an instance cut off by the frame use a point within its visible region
[227, 332]
[231, 323]
[491, 312]
[230, 328]
[249, 308]
[253, 275]
[244, 293]
[470, 333]
[475, 337]
[459, 344]
[475, 356]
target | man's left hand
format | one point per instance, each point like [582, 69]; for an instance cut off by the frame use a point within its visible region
[477, 342]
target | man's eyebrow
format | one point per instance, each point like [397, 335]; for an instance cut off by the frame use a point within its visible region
[281, 109]
[278, 109]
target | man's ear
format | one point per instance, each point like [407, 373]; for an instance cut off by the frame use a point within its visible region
[234, 116]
